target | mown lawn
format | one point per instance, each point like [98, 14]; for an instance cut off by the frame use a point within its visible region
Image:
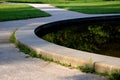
[57, 1]
[93, 7]
[19, 11]
[83, 6]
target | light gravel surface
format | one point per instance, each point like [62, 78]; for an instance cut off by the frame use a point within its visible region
[15, 65]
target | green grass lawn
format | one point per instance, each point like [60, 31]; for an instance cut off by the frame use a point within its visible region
[57, 1]
[83, 6]
[93, 7]
[19, 11]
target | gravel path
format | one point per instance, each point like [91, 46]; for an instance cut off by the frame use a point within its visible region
[15, 65]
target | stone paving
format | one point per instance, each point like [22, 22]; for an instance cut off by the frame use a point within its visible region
[15, 65]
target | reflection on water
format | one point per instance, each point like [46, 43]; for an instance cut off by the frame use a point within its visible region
[101, 38]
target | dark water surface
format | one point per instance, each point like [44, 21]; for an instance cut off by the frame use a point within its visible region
[100, 38]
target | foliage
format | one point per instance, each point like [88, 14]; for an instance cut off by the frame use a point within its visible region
[12, 37]
[86, 69]
[102, 39]
[114, 76]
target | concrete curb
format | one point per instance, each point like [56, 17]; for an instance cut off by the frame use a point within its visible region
[100, 63]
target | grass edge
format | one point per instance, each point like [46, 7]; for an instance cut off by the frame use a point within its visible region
[86, 69]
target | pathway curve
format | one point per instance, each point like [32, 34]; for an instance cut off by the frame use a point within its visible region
[15, 65]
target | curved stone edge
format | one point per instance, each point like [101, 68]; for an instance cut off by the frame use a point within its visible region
[48, 54]
[102, 64]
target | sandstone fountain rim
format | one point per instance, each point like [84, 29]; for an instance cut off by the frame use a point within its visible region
[27, 37]
[91, 19]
